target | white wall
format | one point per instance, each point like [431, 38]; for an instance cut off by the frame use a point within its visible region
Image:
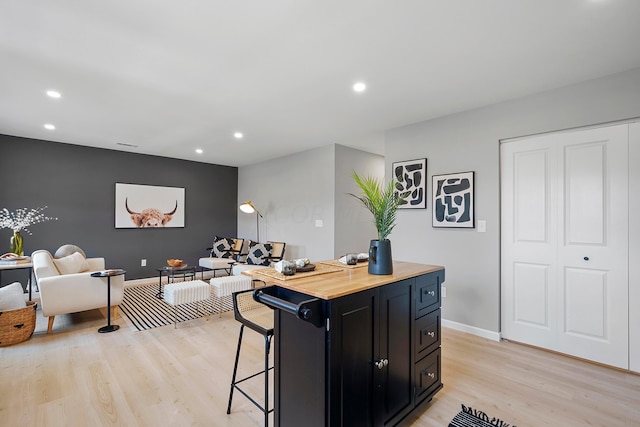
[295, 191]
[292, 192]
[469, 141]
[354, 224]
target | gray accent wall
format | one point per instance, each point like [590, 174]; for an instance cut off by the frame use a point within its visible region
[78, 185]
[469, 141]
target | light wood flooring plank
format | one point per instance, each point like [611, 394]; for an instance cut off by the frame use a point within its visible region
[180, 377]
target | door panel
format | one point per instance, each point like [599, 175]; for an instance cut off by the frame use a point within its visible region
[531, 295]
[351, 369]
[585, 171]
[565, 266]
[395, 379]
[528, 221]
[593, 252]
[634, 249]
[530, 175]
[585, 303]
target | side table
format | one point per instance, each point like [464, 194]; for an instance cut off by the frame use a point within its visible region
[108, 274]
[22, 266]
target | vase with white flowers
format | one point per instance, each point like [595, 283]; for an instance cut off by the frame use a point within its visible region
[18, 221]
[382, 201]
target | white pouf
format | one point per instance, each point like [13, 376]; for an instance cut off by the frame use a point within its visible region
[227, 285]
[184, 293]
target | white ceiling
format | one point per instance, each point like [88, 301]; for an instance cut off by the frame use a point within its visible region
[172, 76]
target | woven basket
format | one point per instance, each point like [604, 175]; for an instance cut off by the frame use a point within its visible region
[17, 325]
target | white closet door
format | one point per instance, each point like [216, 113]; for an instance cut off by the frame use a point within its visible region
[577, 293]
[529, 205]
[634, 248]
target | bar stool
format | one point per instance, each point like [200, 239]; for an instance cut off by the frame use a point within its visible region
[258, 317]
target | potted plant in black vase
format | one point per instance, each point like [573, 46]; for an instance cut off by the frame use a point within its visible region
[382, 201]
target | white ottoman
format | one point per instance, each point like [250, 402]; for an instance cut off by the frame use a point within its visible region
[227, 285]
[179, 293]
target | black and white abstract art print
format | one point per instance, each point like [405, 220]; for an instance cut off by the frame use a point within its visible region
[411, 176]
[453, 200]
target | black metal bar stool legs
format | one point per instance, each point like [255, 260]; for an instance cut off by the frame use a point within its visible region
[259, 318]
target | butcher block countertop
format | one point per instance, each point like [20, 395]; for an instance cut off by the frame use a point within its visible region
[344, 281]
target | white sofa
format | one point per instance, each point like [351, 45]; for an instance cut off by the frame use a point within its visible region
[73, 292]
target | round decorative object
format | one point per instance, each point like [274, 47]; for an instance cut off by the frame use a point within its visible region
[15, 244]
[306, 268]
[352, 259]
[288, 268]
[68, 249]
[175, 262]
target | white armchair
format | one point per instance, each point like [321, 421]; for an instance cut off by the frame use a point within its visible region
[63, 290]
[222, 255]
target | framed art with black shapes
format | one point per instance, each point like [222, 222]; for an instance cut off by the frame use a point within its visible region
[411, 176]
[453, 200]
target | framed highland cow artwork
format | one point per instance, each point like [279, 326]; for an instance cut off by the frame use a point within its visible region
[149, 206]
[411, 176]
[453, 200]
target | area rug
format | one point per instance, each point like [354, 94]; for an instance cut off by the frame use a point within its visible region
[470, 417]
[142, 310]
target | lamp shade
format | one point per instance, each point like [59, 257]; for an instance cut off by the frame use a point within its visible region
[247, 207]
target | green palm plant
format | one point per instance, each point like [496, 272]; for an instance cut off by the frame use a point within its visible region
[382, 201]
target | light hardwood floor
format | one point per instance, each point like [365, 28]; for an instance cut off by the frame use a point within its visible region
[180, 377]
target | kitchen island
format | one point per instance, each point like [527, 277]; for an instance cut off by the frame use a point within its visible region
[354, 349]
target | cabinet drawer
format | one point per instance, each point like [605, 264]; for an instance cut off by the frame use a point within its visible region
[427, 334]
[428, 376]
[427, 294]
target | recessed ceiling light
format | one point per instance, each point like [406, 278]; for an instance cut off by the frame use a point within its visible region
[199, 150]
[49, 126]
[54, 94]
[359, 87]
[238, 135]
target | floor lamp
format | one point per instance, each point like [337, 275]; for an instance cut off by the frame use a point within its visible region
[247, 207]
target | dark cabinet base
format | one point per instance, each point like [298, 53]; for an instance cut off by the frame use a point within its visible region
[375, 358]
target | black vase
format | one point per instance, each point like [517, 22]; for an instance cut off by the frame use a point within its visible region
[380, 261]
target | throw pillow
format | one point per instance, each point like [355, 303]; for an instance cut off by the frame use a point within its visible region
[222, 247]
[74, 263]
[259, 253]
[12, 297]
[68, 249]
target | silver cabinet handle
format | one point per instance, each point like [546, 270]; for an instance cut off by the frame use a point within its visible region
[431, 293]
[431, 375]
[431, 334]
[381, 363]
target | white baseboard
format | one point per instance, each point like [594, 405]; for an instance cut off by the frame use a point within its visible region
[140, 282]
[494, 336]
